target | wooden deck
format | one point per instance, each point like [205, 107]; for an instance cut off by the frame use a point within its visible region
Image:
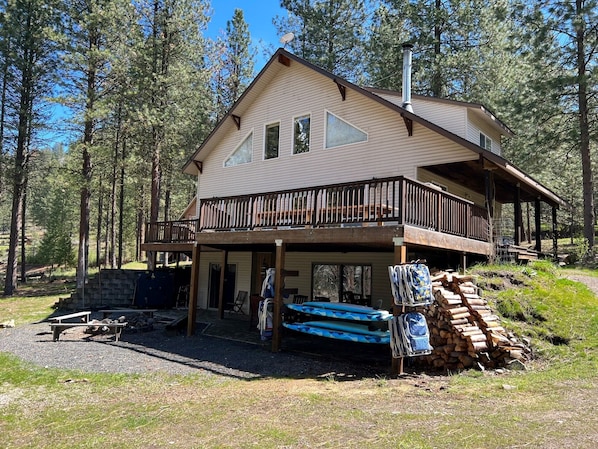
[366, 211]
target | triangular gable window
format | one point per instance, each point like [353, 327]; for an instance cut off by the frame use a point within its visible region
[243, 153]
[339, 132]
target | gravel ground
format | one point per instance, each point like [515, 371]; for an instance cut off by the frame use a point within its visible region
[158, 351]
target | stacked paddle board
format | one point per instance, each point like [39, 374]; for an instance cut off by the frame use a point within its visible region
[349, 322]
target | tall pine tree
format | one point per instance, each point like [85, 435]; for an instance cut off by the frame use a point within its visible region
[328, 33]
[28, 25]
[234, 63]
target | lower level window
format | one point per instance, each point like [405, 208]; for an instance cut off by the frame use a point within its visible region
[342, 282]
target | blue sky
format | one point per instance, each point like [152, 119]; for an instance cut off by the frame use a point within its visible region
[258, 15]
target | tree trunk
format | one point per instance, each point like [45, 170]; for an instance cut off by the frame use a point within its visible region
[23, 221]
[121, 202]
[86, 169]
[82, 256]
[20, 173]
[437, 75]
[584, 131]
[3, 103]
[99, 221]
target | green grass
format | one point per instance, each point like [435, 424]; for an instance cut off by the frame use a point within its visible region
[550, 405]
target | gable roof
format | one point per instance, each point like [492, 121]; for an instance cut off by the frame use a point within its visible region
[477, 108]
[283, 59]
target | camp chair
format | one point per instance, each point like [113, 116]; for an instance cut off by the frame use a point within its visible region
[299, 299]
[239, 302]
[290, 315]
[254, 303]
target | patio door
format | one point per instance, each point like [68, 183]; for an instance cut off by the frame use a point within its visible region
[230, 277]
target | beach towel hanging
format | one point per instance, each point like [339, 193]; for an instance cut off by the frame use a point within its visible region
[268, 284]
[411, 284]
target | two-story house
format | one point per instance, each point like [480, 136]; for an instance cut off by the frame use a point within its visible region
[332, 183]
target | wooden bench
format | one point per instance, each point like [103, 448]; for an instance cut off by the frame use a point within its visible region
[148, 312]
[116, 328]
[83, 317]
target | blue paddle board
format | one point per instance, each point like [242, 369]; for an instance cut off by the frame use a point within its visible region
[358, 333]
[341, 311]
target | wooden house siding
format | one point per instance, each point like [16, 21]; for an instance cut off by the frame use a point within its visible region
[243, 276]
[451, 117]
[389, 151]
[302, 262]
[457, 118]
[461, 191]
[475, 126]
[452, 187]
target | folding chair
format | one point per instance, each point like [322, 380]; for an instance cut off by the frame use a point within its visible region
[240, 302]
[290, 315]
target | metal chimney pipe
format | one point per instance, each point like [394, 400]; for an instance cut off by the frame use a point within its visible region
[407, 60]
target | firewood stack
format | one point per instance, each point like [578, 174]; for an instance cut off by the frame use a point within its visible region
[465, 332]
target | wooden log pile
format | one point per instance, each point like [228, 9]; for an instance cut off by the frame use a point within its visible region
[465, 332]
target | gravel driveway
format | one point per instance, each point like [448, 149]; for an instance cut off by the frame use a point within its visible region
[158, 351]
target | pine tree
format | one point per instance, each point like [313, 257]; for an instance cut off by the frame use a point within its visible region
[56, 247]
[30, 61]
[234, 64]
[384, 49]
[562, 101]
[328, 33]
[172, 82]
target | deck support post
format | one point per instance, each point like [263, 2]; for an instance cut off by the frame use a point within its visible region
[223, 266]
[463, 263]
[193, 290]
[538, 224]
[518, 218]
[278, 291]
[555, 245]
[400, 257]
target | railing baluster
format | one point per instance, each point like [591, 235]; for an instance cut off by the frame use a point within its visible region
[380, 200]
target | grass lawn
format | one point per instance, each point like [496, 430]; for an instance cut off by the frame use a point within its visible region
[554, 404]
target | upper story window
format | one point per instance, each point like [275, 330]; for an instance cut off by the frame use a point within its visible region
[339, 132]
[242, 154]
[272, 141]
[301, 134]
[485, 142]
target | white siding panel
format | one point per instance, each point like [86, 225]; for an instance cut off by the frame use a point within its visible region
[475, 126]
[302, 262]
[242, 282]
[298, 90]
[455, 189]
[451, 117]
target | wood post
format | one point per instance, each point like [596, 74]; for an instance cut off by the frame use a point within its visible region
[278, 291]
[400, 257]
[193, 290]
[555, 245]
[518, 218]
[538, 224]
[223, 267]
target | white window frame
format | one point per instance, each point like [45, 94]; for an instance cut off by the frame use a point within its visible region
[295, 118]
[487, 145]
[250, 133]
[266, 126]
[326, 112]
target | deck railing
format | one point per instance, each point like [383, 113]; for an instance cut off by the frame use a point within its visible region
[395, 200]
[178, 231]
